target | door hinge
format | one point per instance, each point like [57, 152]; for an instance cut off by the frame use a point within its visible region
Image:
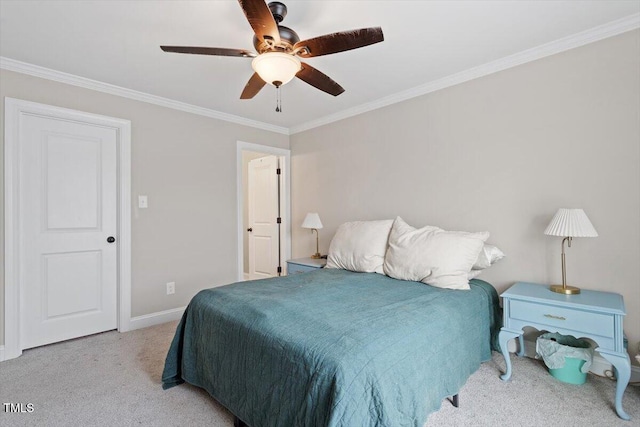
[278, 171]
[279, 220]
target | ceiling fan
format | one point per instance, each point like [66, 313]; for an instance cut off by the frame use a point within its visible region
[279, 48]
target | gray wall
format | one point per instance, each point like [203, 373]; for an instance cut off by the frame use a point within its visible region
[186, 164]
[500, 153]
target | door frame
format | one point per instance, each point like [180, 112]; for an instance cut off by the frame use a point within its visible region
[14, 109]
[285, 207]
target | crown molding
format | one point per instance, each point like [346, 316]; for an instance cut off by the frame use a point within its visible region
[83, 82]
[601, 32]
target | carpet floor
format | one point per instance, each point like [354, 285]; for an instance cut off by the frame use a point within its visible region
[113, 379]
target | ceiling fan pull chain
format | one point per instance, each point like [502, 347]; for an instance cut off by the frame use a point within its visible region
[278, 100]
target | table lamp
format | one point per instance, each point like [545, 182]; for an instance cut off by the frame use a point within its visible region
[569, 223]
[312, 221]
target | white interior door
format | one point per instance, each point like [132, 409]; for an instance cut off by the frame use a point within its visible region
[263, 216]
[68, 205]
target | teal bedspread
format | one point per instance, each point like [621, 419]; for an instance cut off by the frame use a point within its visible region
[333, 348]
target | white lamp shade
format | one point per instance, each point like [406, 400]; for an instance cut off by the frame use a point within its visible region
[570, 223]
[276, 67]
[312, 220]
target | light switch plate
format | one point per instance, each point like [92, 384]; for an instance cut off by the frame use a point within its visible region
[143, 202]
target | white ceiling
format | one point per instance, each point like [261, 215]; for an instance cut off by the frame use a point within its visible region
[117, 42]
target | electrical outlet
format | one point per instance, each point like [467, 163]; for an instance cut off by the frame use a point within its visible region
[171, 288]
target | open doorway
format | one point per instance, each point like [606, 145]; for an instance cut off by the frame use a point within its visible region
[264, 244]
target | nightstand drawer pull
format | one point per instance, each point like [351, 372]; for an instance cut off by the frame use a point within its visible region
[551, 316]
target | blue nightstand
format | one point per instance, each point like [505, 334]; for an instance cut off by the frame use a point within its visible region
[590, 314]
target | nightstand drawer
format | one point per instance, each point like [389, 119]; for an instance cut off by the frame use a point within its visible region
[297, 268]
[562, 317]
[304, 265]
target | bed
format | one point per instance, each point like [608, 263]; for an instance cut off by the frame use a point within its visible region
[333, 347]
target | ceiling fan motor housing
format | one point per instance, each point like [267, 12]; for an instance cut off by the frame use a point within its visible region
[288, 38]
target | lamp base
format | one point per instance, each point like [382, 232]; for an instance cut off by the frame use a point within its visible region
[567, 290]
[316, 256]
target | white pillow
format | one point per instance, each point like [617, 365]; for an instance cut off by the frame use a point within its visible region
[431, 255]
[360, 246]
[488, 256]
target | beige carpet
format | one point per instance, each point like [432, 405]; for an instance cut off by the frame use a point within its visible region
[113, 379]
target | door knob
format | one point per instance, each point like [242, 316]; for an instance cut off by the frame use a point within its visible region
[111, 239]
[249, 229]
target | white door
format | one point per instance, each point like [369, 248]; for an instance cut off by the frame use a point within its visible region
[263, 215]
[68, 213]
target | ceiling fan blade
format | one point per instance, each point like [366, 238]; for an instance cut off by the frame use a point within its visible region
[338, 42]
[219, 51]
[253, 86]
[319, 80]
[261, 20]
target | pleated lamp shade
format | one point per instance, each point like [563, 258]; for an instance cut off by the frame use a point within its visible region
[570, 223]
[312, 220]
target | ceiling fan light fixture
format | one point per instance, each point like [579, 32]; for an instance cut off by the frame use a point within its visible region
[276, 68]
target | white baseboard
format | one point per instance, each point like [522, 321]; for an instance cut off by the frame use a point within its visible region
[157, 318]
[1, 353]
[600, 366]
